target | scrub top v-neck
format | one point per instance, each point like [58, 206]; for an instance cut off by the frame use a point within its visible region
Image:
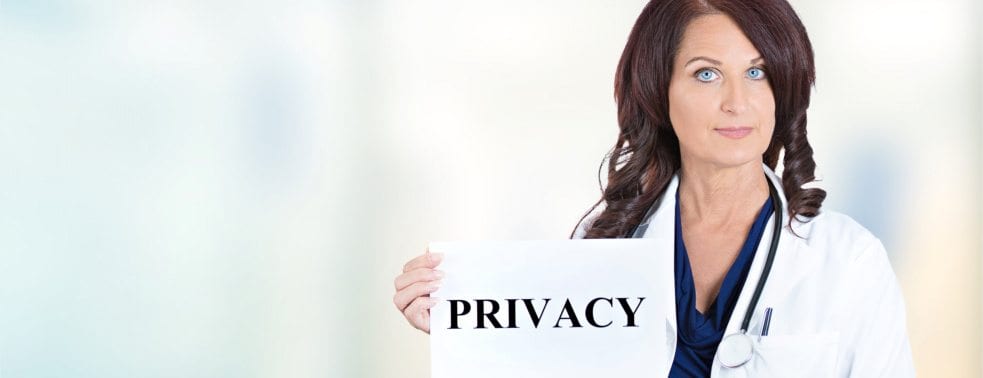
[699, 334]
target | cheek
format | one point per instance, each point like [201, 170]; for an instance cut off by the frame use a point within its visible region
[765, 102]
[764, 109]
[688, 110]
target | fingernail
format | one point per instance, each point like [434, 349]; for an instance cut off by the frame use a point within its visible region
[433, 302]
[435, 285]
[438, 273]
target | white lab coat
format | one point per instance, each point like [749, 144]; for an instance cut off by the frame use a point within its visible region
[837, 306]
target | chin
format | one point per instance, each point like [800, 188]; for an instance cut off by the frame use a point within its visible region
[736, 158]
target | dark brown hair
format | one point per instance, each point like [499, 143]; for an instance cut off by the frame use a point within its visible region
[646, 155]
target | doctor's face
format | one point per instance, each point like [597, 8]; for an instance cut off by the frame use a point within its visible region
[720, 103]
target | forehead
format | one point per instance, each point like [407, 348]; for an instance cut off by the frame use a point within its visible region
[718, 37]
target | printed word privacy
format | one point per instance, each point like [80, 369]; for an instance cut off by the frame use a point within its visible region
[487, 312]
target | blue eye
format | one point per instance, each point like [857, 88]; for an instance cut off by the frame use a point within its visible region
[756, 73]
[706, 75]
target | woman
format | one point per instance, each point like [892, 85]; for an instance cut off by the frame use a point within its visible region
[709, 94]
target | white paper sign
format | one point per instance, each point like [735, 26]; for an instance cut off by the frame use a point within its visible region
[570, 308]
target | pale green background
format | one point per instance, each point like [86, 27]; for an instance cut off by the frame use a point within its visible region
[228, 188]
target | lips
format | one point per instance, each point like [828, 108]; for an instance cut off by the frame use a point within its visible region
[734, 132]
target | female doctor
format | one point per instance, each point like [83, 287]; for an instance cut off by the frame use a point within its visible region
[767, 283]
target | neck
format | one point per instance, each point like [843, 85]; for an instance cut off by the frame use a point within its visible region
[711, 193]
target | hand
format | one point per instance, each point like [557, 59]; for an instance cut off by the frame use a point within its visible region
[414, 286]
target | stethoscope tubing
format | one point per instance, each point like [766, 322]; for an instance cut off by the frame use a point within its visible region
[769, 260]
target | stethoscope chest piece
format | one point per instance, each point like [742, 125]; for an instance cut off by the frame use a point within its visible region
[735, 350]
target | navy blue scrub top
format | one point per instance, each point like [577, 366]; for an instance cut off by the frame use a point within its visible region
[699, 334]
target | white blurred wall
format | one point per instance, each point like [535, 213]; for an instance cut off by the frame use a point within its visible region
[218, 188]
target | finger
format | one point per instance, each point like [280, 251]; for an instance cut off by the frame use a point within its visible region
[407, 295]
[426, 260]
[417, 275]
[418, 312]
[413, 311]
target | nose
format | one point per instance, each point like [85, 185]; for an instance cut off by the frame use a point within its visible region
[735, 98]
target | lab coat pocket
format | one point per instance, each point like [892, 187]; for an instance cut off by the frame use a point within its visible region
[809, 355]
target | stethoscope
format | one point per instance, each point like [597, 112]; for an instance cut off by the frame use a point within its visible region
[737, 348]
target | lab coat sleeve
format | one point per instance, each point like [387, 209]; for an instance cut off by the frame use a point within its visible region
[881, 341]
[582, 226]
[581, 229]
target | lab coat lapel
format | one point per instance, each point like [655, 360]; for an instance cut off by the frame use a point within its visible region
[661, 224]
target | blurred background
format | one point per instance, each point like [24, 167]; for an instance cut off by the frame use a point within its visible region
[227, 189]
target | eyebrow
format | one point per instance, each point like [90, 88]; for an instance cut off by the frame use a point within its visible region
[717, 62]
